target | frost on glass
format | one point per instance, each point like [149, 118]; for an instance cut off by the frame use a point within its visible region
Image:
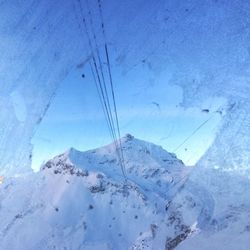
[200, 46]
[34, 59]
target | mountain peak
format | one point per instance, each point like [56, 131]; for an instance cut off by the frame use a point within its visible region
[128, 137]
[144, 162]
[78, 192]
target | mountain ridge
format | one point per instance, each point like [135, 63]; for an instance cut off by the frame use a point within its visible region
[80, 200]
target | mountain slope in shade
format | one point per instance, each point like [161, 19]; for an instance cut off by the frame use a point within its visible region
[79, 200]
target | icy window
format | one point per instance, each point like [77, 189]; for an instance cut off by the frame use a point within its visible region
[153, 55]
[180, 71]
[34, 60]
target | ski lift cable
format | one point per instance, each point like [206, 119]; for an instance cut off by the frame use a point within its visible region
[110, 79]
[96, 72]
[114, 104]
[103, 100]
[100, 63]
[104, 85]
[100, 98]
[107, 116]
[103, 88]
[193, 133]
[97, 78]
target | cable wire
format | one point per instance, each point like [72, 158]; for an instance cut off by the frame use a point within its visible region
[101, 86]
[111, 80]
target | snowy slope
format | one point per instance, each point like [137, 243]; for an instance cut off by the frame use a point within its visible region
[79, 201]
[221, 210]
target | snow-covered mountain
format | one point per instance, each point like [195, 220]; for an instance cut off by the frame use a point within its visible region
[80, 200]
